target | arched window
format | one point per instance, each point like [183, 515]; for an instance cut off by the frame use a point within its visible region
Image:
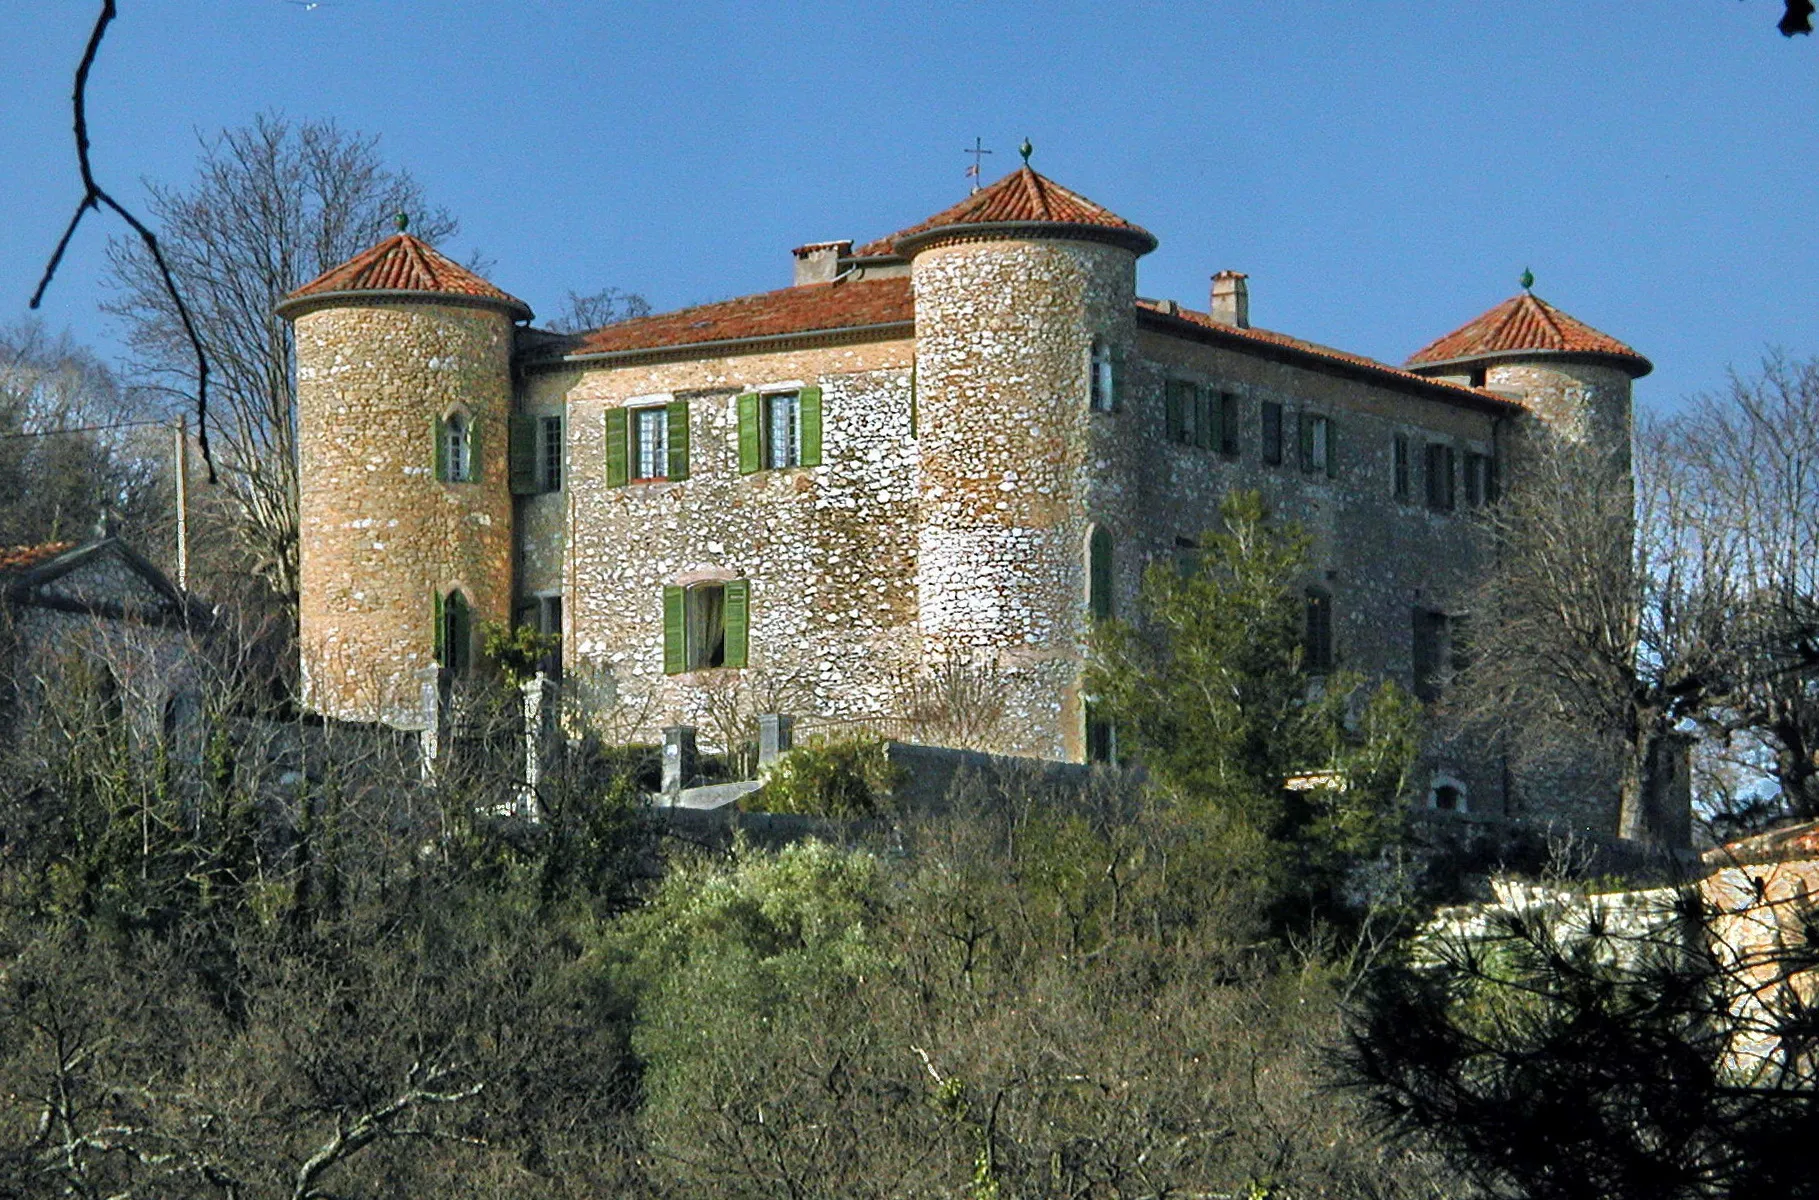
[1104, 382]
[454, 633]
[1318, 646]
[1447, 794]
[1100, 575]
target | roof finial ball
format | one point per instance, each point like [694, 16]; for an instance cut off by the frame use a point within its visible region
[402, 220]
[1026, 150]
[1528, 279]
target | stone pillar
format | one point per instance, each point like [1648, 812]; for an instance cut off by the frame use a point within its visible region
[432, 716]
[680, 760]
[540, 743]
[776, 737]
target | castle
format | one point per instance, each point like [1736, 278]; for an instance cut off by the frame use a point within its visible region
[966, 439]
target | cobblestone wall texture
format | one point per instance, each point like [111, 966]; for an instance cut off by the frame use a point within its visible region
[829, 550]
[381, 536]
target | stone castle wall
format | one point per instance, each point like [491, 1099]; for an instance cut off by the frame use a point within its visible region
[829, 551]
[381, 536]
[1012, 463]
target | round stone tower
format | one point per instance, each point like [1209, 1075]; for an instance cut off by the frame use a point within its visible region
[1572, 378]
[1025, 299]
[405, 513]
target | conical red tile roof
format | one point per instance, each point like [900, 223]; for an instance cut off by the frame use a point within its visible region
[402, 263]
[1524, 323]
[1020, 198]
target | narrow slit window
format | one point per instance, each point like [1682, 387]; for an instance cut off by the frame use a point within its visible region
[1104, 380]
[458, 449]
[1319, 640]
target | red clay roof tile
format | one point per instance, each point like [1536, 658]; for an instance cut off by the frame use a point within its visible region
[1314, 349]
[1022, 196]
[809, 308]
[1523, 322]
[402, 263]
[18, 559]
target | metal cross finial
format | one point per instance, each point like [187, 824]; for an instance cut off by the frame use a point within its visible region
[402, 220]
[1528, 279]
[1026, 150]
[978, 152]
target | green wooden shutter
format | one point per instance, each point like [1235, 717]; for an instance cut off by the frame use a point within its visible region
[474, 471]
[1172, 400]
[675, 626]
[1332, 449]
[737, 615]
[1099, 574]
[1307, 441]
[436, 619]
[1228, 423]
[808, 413]
[749, 458]
[677, 419]
[438, 436]
[618, 469]
[521, 454]
[1206, 416]
[1117, 396]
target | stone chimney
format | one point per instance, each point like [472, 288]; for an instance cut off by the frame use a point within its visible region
[819, 262]
[1231, 302]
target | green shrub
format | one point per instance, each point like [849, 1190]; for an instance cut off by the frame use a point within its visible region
[845, 778]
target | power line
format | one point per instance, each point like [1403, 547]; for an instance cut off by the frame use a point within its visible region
[81, 429]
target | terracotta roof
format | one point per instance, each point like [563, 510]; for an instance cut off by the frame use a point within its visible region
[809, 308]
[1022, 197]
[1799, 840]
[18, 559]
[1524, 322]
[1476, 396]
[402, 263]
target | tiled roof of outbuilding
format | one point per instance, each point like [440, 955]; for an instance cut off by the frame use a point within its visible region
[15, 559]
[1524, 322]
[808, 308]
[402, 263]
[1022, 197]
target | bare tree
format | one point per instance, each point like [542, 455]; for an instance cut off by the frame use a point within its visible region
[604, 307]
[1747, 469]
[273, 205]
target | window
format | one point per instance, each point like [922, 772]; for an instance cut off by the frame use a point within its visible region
[1440, 496]
[1400, 466]
[1101, 736]
[1272, 433]
[1318, 645]
[1181, 418]
[549, 458]
[705, 625]
[1100, 576]
[1480, 480]
[650, 443]
[454, 633]
[647, 443]
[782, 432]
[1228, 424]
[779, 430]
[1104, 382]
[1431, 653]
[1318, 452]
[535, 454]
[1187, 557]
[1447, 794]
[457, 454]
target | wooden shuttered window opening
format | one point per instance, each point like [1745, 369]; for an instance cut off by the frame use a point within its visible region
[618, 449]
[455, 453]
[521, 454]
[665, 457]
[676, 420]
[706, 625]
[778, 430]
[1101, 575]
[1319, 448]
[1318, 646]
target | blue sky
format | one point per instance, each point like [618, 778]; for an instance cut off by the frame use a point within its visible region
[1383, 169]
